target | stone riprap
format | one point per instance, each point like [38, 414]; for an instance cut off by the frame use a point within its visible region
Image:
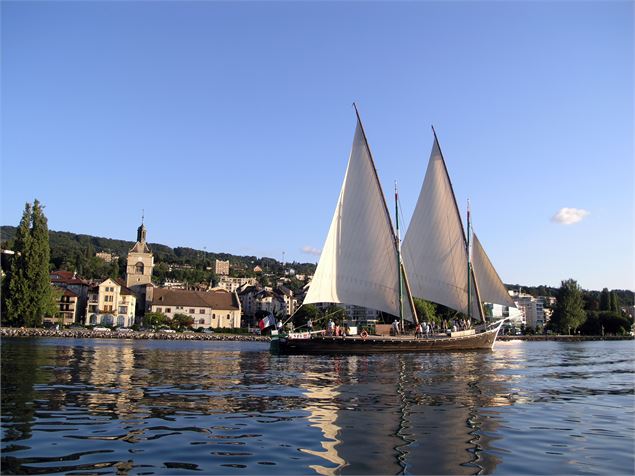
[87, 333]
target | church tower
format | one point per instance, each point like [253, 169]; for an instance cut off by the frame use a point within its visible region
[140, 261]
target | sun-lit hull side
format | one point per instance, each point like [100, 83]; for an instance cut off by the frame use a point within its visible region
[375, 344]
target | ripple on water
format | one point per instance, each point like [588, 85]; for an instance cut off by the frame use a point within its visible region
[207, 408]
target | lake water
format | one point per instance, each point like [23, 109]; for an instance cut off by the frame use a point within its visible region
[169, 407]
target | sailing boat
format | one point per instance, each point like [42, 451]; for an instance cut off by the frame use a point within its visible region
[362, 264]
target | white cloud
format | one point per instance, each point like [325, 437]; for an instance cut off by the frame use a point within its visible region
[569, 216]
[310, 250]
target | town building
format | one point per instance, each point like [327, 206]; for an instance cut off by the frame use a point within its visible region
[222, 267]
[210, 310]
[111, 303]
[531, 308]
[232, 284]
[107, 257]
[68, 280]
[67, 305]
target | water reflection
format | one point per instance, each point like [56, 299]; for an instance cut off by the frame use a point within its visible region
[171, 407]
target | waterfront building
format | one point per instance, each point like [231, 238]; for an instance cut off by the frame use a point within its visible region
[70, 281]
[111, 303]
[222, 267]
[531, 308]
[210, 310]
[361, 316]
[67, 308]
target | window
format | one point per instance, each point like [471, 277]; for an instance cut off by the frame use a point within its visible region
[201, 321]
[138, 268]
[123, 309]
[201, 311]
[168, 310]
[213, 316]
[192, 311]
[158, 309]
[179, 307]
[228, 316]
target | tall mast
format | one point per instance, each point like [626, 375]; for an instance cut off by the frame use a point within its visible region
[398, 244]
[469, 263]
[471, 277]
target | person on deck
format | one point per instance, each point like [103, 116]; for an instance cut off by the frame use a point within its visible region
[331, 327]
[395, 327]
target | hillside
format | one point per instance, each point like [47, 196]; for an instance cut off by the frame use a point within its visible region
[73, 252]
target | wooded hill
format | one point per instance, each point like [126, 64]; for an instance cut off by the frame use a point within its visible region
[71, 251]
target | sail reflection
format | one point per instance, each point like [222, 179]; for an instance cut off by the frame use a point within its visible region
[323, 415]
[406, 414]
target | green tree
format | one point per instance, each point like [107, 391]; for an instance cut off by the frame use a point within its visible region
[426, 311]
[18, 296]
[38, 268]
[181, 321]
[614, 303]
[569, 313]
[605, 300]
[306, 312]
[29, 295]
[155, 319]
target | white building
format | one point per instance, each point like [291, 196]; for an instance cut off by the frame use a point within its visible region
[531, 308]
[232, 284]
[210, 310]
[111, 303]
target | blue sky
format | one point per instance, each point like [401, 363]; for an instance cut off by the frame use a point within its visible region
[230, 124]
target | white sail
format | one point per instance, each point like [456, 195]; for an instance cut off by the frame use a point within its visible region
[358, 264]
[434, 248]
[491, 288]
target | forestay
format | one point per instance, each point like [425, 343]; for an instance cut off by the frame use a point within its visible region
[358, 264]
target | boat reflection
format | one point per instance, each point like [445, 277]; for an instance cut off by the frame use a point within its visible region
[407, 414]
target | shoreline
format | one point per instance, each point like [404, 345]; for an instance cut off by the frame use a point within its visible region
[563, 338]
[137, 335]
[132, 335]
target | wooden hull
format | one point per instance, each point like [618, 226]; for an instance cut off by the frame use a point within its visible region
[375, 344]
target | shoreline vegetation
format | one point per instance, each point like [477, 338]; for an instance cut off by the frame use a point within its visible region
[144, 335]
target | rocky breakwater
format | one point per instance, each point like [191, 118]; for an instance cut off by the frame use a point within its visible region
[89, 334]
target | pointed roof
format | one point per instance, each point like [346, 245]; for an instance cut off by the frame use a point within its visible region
[141, 246]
